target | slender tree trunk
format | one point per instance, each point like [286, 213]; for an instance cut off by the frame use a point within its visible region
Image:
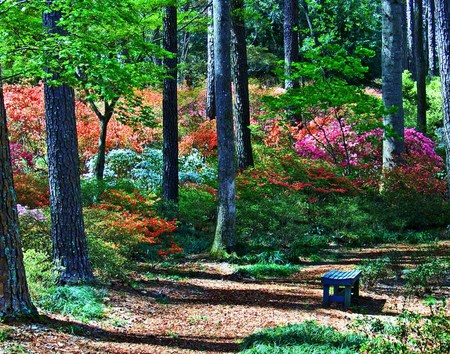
[170, 112]
[69, 239]
[442, 8]
[421, 71]
[291, 48]
[104, 118]
[210, 84]
[405, 64]
[224, 240]
[431, 34]
[244, 152]
[411, 50]
[15, 299]
[393, 143]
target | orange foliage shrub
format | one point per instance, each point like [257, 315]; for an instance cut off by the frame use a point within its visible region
[204, 139]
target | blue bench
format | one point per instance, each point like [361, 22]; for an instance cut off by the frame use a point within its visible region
[344, 283]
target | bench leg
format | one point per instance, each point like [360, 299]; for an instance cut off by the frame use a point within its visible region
[356, 288]
[348, 296]
[326, 295]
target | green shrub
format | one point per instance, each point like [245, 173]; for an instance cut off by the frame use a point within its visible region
[409, 333]
[306, 337]
[374, 270]
[36, 233]
[432, 272]
[260, 271]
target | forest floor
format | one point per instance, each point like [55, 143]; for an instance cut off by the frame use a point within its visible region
[200, 306]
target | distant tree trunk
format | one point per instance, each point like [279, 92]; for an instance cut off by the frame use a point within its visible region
[224, 239]
[431, 34]
[244, 152]
[15, 299]
[393, 144]
[99, 169]
[442, 13]
[421, 70]
[291, 48]
[210, 85]
[410, 37]
[405, 64]
[69, 239]
[170, 112]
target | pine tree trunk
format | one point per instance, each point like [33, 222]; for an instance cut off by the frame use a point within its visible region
[442, 8]
[291, 48]
[15, 299]
[421, 71]
[170, 112]
[244, 152]
[69, 239]
[393, 145]
[411, 50]
[224, 239]
[210, 84]
[431, 34]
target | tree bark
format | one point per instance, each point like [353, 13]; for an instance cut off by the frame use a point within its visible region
[244, 153]
[224, 239]
[421, 71]
[170, 112]
[15, 299]
[442, 8]
[393, 143]
[210, 84]
[431, 43]
[69, 239]
[411, 50]
[291, 46]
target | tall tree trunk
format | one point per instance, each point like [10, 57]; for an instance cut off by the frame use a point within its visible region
[170, 112]
[410, 37]
[244, 151]
[442, 8]
[291, 48]
[15, 299]
[393, 143]
[431, 34]
[421, 70]
[210, 85]
[224, 239]
[69, 239]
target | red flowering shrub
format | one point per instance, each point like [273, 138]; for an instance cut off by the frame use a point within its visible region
[132, 214]
[26, 122]
[31, 190]
[203, 139]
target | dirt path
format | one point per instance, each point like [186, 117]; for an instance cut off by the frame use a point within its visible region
[205, 308]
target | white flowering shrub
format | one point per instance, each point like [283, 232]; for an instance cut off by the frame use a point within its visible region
[145, 170]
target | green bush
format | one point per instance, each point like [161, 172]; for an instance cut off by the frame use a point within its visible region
[432, 272]
[409, 333]
[374, 270]
[306, 337]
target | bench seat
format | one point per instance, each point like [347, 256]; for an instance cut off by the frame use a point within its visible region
[344, 283]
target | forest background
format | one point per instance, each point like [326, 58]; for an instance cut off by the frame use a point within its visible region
[314, 177]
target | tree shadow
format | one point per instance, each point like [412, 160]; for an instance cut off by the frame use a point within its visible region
[201, 343]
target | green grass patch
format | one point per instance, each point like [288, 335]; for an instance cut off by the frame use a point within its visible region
[261, 270]
[307, 337]
[84, 303]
